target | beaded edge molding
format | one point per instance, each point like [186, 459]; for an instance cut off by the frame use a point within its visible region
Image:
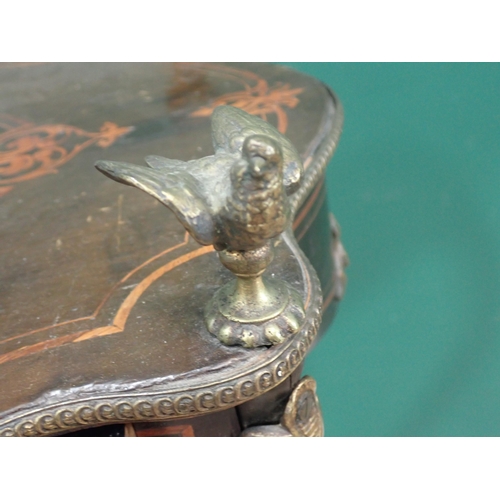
[95, 411]
[323, 153]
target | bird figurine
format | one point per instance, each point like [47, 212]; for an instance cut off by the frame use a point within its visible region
[237, 201]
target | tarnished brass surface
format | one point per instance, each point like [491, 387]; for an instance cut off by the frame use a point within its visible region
[302, 416]
[340, 259]
[237, 201]
[276, 430]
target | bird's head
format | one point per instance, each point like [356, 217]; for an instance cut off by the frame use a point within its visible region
[264, 156]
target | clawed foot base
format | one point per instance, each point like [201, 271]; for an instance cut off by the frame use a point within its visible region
[251, 332]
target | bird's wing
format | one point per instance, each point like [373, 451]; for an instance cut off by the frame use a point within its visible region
[175, 188]
[231, 126]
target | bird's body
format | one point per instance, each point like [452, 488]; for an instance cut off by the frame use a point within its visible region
[257, 208]
[235, 199]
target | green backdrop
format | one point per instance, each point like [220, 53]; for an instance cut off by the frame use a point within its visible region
[415, 185]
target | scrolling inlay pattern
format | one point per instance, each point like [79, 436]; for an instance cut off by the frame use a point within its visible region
[256, 98]
[28, 151]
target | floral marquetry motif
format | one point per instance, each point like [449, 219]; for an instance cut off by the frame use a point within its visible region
[256, 98]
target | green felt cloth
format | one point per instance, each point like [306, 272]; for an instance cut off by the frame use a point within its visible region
[415, 185]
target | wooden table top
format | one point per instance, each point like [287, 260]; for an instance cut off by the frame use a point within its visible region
[100, 286]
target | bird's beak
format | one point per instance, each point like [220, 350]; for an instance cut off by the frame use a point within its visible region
[257, 166]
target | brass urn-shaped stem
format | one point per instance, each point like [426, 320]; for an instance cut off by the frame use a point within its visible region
[253, 310]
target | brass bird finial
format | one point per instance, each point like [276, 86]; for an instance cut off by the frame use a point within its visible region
[236, 200]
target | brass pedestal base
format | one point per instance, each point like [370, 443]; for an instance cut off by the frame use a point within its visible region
[253, 311]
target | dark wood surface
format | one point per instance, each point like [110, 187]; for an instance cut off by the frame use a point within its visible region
[100, 286]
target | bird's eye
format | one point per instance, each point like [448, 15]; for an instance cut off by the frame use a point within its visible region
[236, 143]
